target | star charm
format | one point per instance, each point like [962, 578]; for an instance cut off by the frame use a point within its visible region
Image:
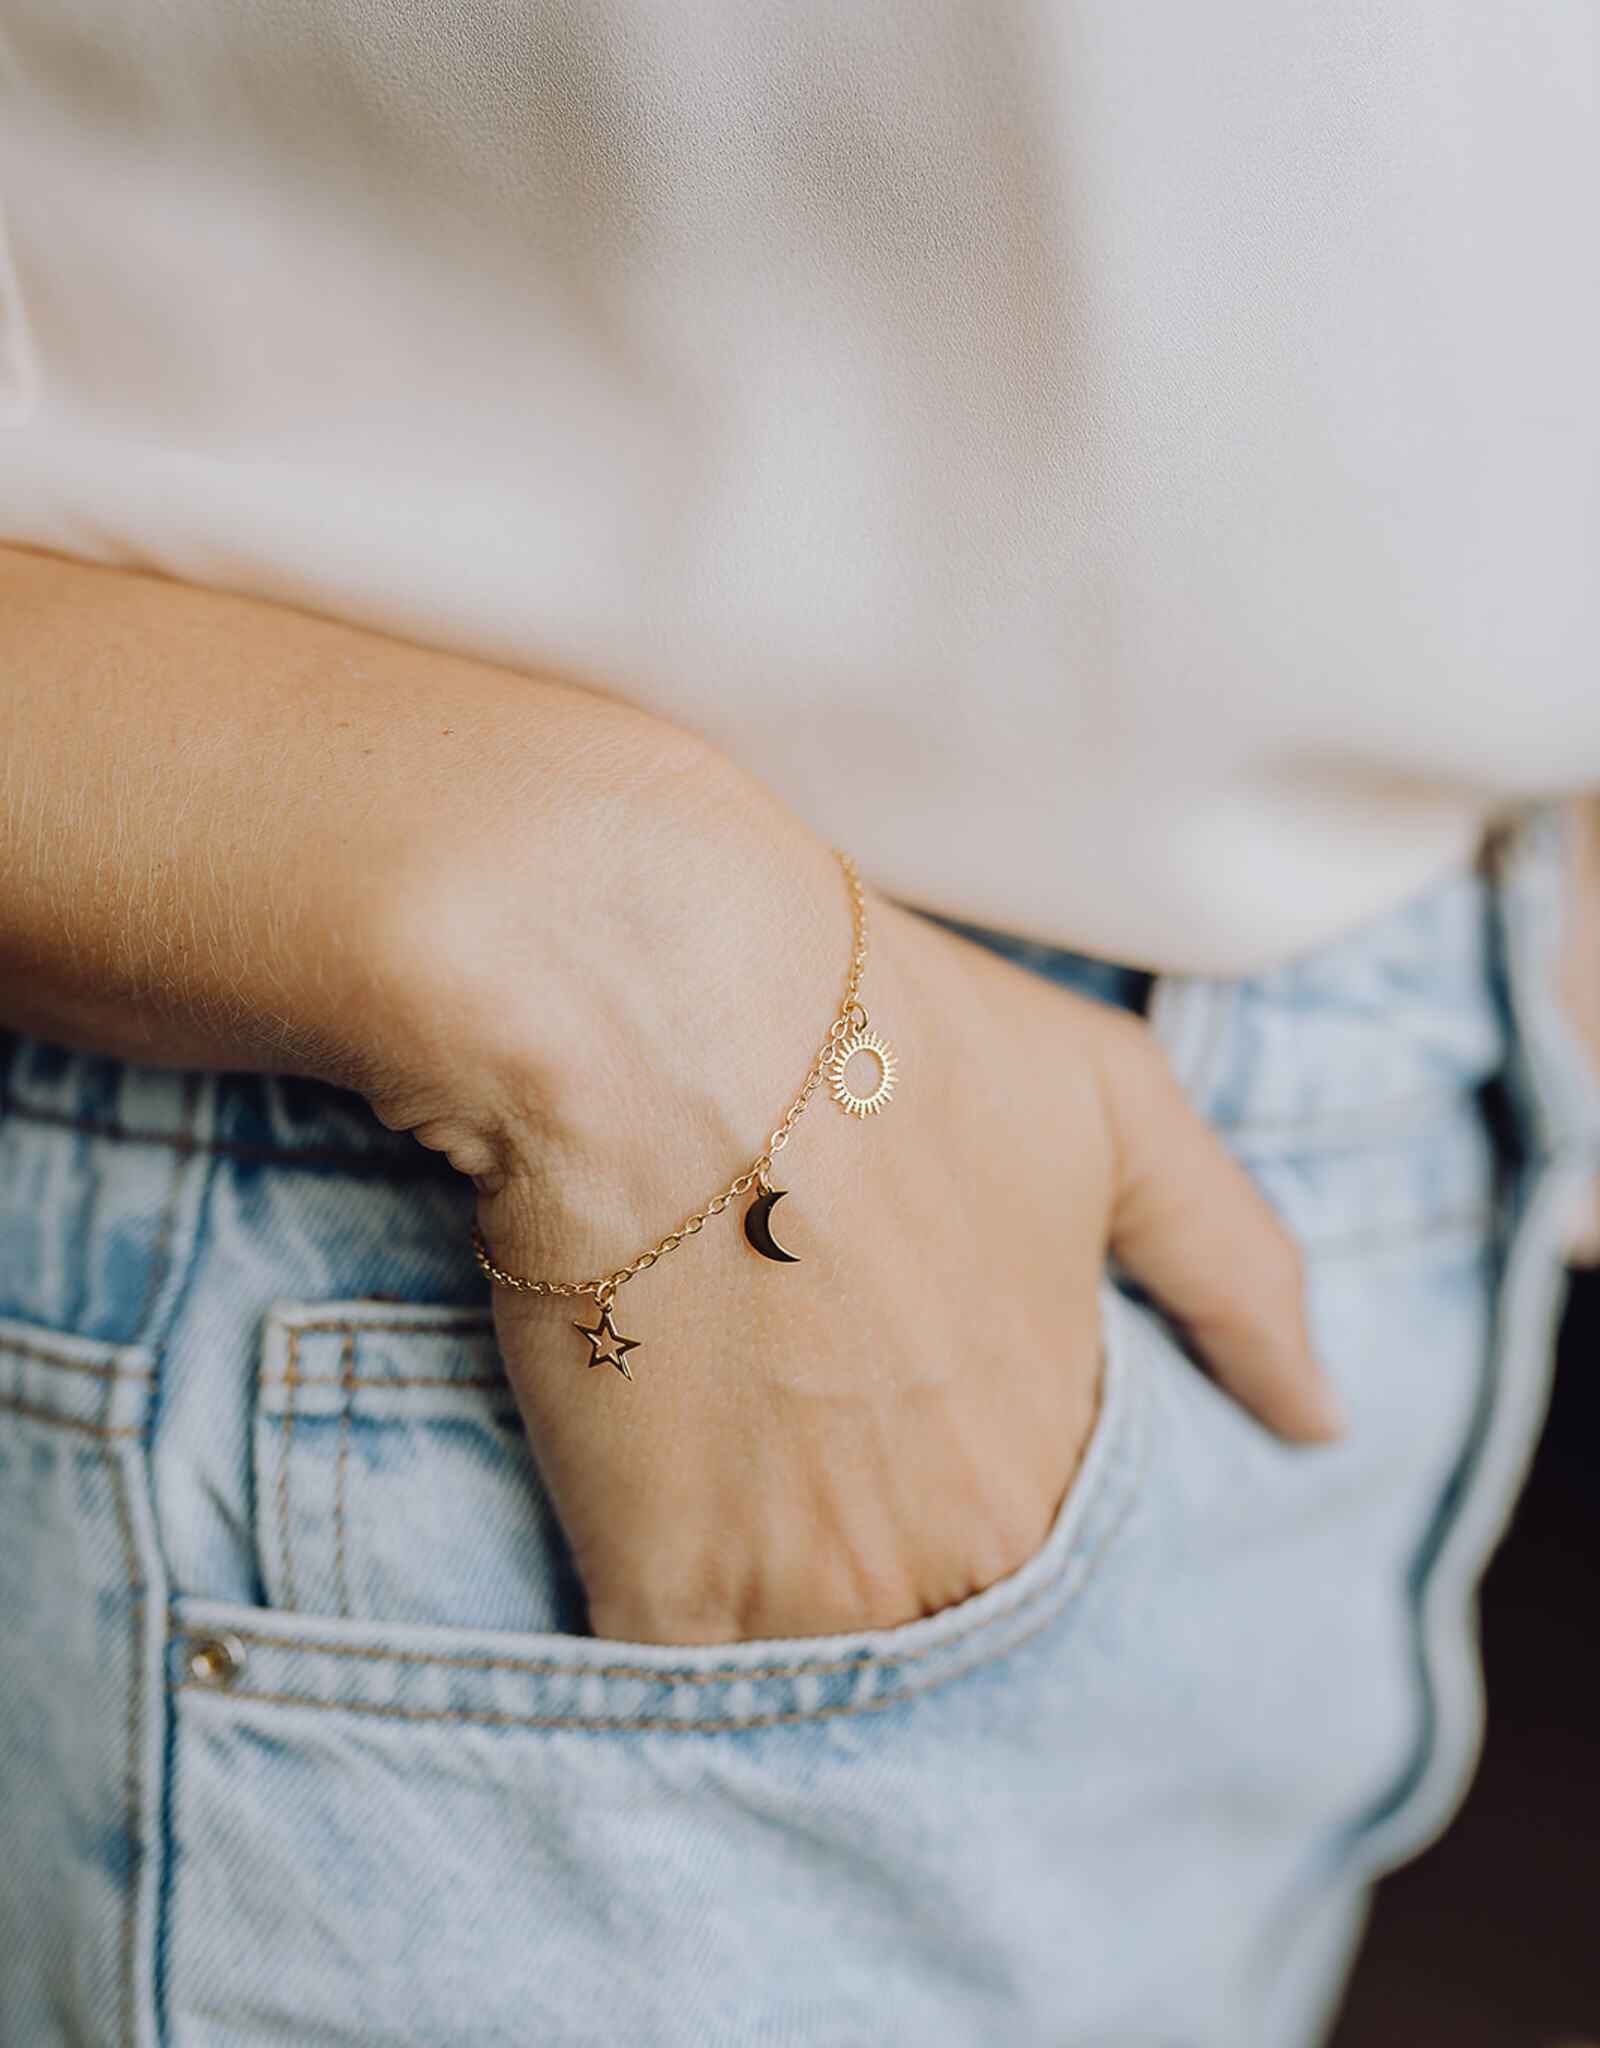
[606, 1347]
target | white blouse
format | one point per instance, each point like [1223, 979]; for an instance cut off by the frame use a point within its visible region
[1127, 469]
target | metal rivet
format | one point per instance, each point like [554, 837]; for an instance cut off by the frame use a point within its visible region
[214, 1659]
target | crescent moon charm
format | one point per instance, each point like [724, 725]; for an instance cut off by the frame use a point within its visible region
[758, 1227]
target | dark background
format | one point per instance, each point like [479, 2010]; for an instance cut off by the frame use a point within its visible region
[1492, 1939]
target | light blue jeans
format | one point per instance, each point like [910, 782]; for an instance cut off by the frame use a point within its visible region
[301, 1741]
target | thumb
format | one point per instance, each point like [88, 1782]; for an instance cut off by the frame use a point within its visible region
[1190, 1226]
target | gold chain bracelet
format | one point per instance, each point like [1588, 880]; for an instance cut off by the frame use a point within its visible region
[850, 1034]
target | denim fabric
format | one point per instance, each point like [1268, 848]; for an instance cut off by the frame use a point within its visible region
[301, 1742]
[1124, 988]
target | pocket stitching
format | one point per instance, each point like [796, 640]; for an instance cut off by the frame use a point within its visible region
[291, 1382]
[106, 1432]
[541, 1667]
[666, 1725]
[472, 1324]
[339, 1379]
[114, 1376]
[341, 1580]
[16, 1348]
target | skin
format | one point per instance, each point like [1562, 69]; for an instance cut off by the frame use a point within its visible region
[587, 958]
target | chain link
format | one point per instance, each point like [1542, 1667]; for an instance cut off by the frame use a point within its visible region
[851, 1019]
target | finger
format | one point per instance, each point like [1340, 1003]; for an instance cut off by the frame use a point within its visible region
[1190, 1226]
[1583, 1229]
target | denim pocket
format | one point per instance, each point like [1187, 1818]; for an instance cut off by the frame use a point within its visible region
[414, 1570]
[392, 1477]
[402, 1831]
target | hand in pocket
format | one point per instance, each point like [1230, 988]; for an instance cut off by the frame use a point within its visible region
[889, 1426]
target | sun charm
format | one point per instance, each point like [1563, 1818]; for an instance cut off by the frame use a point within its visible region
[876, 1049]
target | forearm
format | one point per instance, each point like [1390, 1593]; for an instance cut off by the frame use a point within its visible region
[589, 960]
[239, 836]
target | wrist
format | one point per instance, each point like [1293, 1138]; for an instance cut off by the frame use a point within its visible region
[853, 1064]
[612, 1004]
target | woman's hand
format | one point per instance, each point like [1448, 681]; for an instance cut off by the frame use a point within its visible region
[587, 958]
[890, 1425]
